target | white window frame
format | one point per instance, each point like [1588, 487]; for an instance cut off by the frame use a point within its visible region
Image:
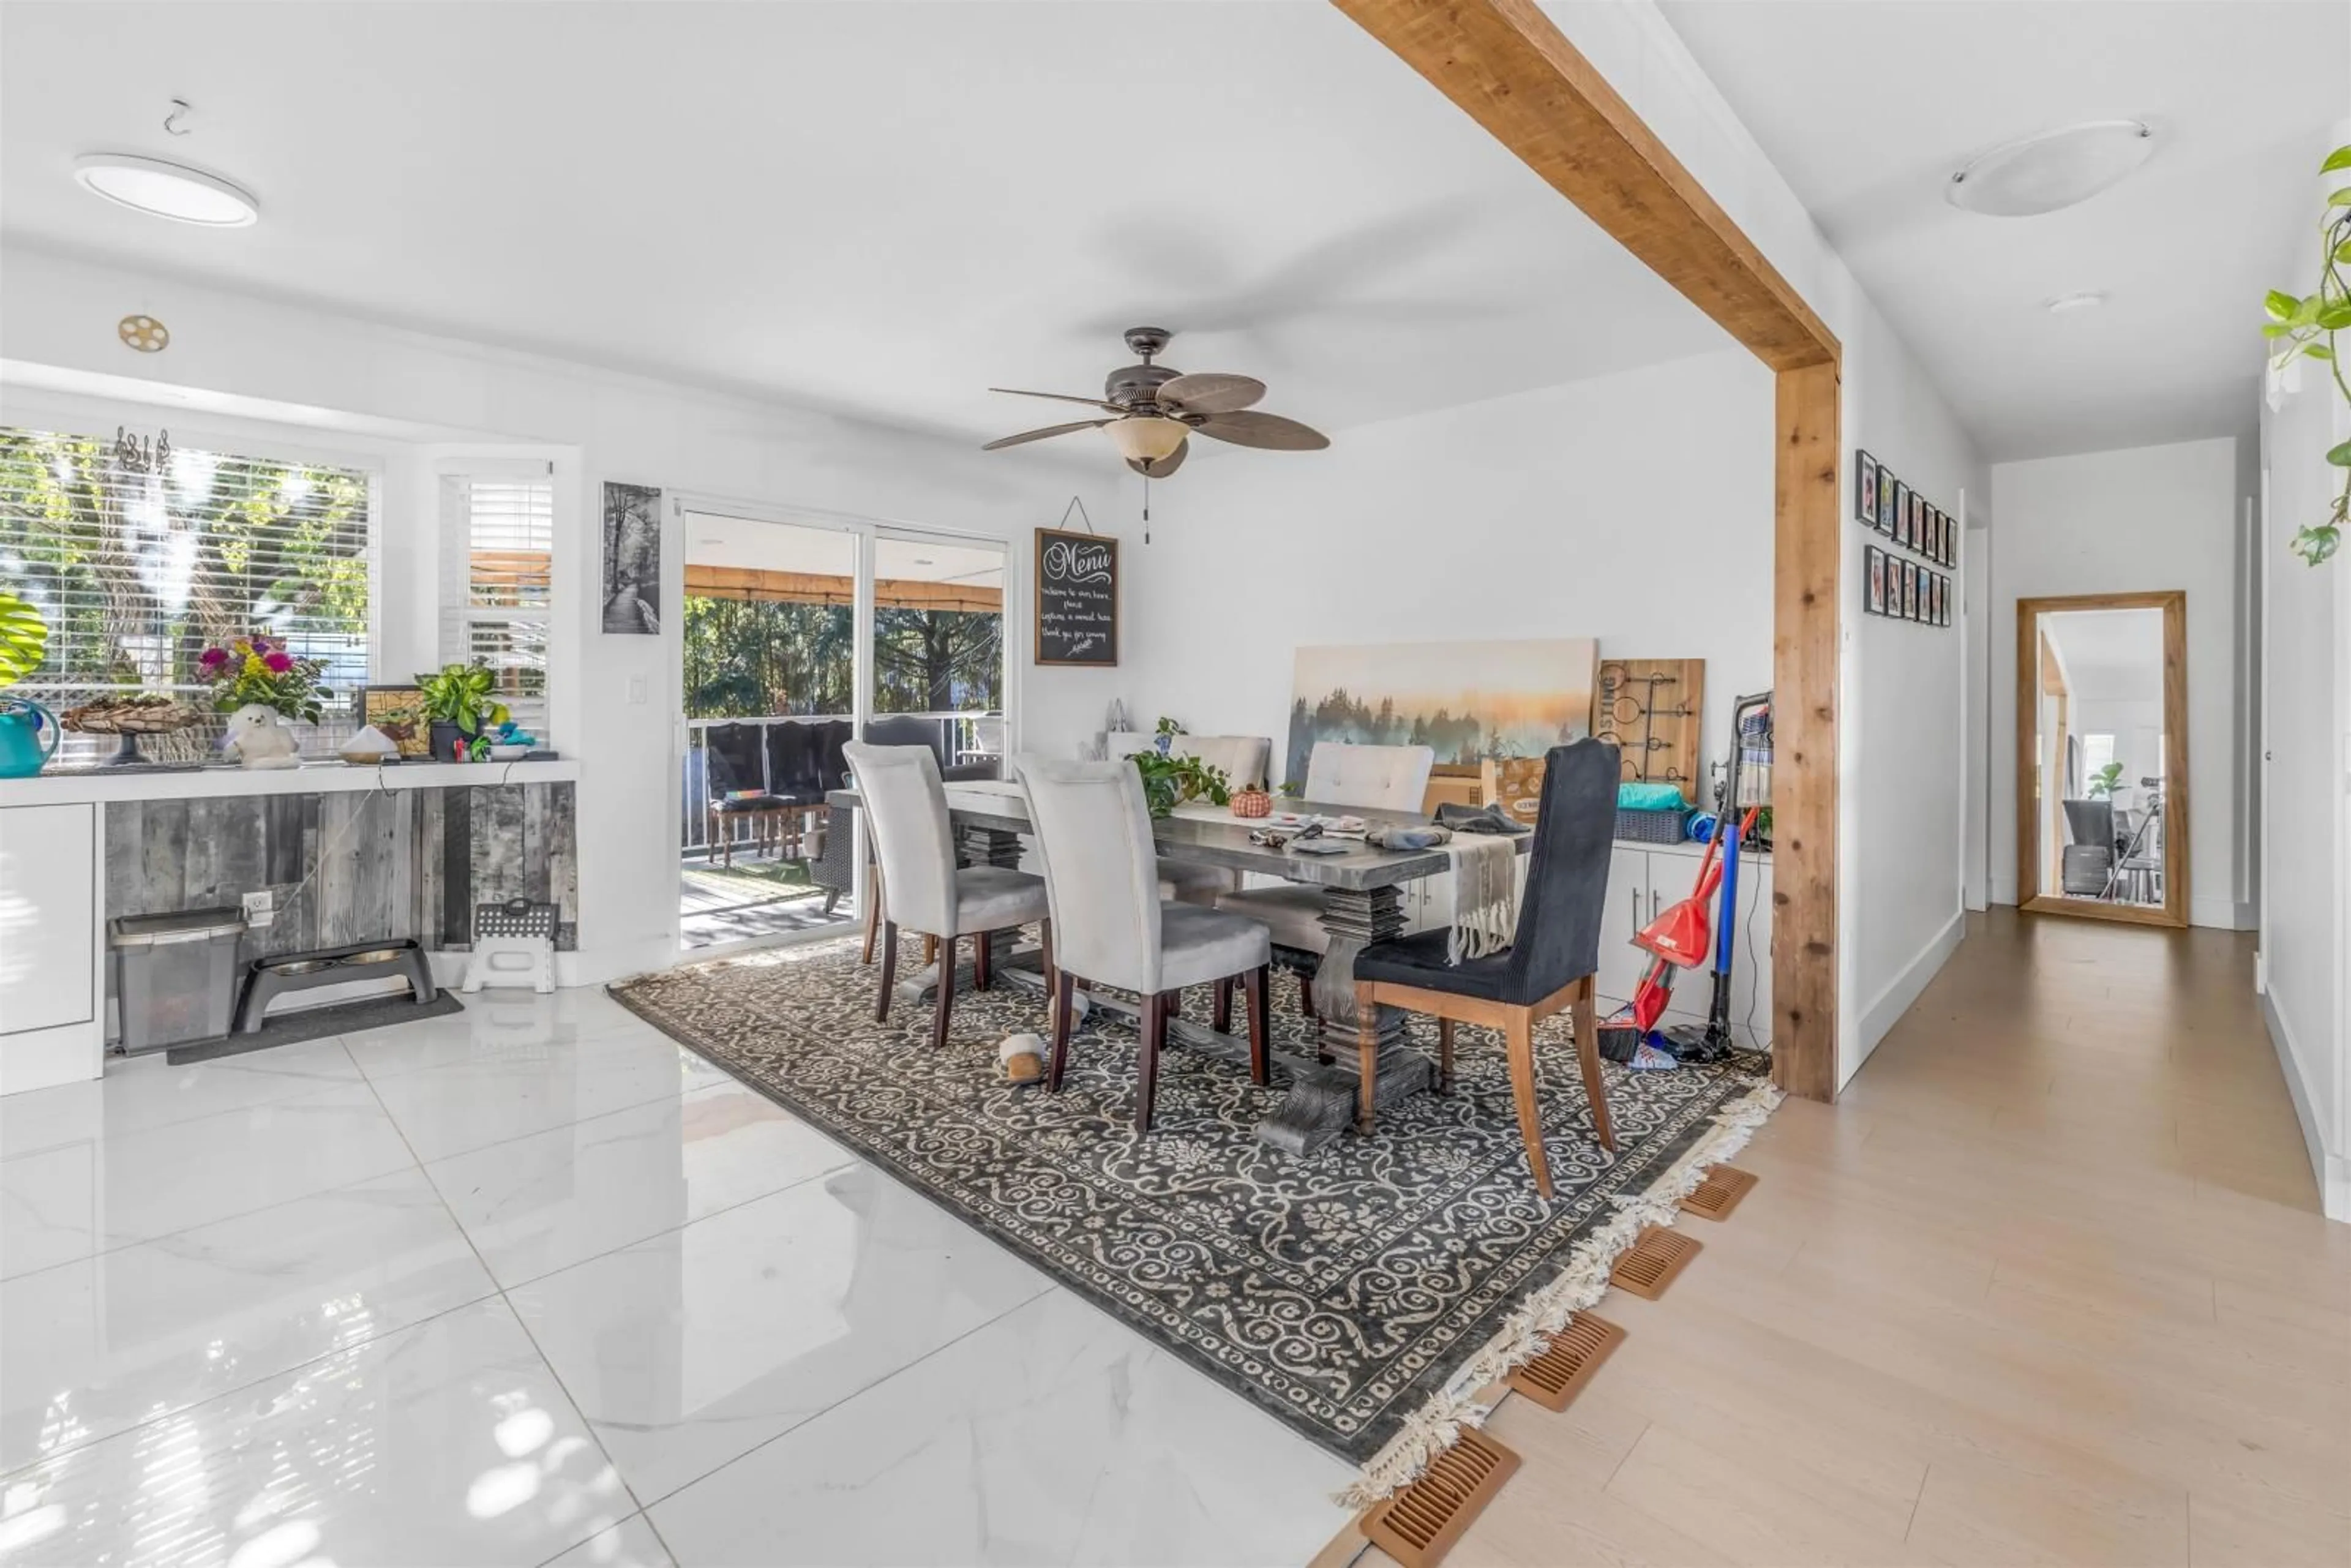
[58, 412]
[455, 479]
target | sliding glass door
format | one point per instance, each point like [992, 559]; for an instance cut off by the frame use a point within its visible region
[799, 632]
[938, 638]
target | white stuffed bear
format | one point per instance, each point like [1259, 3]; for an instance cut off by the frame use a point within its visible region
[260, 739]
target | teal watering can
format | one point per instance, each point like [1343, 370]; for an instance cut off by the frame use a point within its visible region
[28, 733]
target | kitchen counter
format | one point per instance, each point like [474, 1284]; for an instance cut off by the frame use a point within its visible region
[345, 852]
[81, 785]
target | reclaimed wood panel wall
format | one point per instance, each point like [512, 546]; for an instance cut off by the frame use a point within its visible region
[351, 867]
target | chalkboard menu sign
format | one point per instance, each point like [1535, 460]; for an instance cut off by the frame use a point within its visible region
[1077, 599]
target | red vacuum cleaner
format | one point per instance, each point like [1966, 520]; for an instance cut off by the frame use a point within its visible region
[1682, 937]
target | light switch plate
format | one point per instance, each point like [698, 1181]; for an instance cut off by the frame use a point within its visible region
[260, 908]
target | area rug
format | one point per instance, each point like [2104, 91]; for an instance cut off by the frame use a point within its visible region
[1362, 1293]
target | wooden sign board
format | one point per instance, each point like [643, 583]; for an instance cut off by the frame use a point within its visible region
[1651, 710]
[1077, 599]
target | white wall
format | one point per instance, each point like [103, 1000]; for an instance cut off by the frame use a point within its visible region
[59, 315]
[1635, 508]
[2306, 723]
[2149, 519]
[1906, 701]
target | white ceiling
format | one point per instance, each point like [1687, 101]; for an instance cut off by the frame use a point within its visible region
[879, 209]
[2115, 656]
[1866, 106]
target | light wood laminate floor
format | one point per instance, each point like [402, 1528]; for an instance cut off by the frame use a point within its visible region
[2048, 1285]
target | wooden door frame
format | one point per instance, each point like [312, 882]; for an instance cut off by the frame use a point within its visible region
[1507, 66]
[2029, 899]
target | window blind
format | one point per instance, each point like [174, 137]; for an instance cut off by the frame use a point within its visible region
[498, 591]
[140, 559]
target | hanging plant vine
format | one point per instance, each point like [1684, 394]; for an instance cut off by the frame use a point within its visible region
[2304, 326]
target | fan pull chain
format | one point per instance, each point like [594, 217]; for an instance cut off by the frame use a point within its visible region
[1146, 508]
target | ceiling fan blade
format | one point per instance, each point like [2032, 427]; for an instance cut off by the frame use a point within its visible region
[1041, 434]
[1164, 468]
[1061, 397]
[1211, 393]
[1269, 431]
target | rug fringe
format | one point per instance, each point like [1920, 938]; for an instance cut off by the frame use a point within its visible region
[1435, 1426]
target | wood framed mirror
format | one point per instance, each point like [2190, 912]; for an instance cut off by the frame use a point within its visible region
[2102, 756]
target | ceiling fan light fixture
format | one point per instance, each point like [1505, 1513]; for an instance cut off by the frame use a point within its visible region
[1146, 437]
[166, 190]
[2053, 170]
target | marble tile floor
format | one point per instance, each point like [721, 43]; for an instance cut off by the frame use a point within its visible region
[533, 1285]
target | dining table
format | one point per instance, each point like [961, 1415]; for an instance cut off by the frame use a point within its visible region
[1362, 904]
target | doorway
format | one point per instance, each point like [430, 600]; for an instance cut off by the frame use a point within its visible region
[800, 632]
[2101, 757]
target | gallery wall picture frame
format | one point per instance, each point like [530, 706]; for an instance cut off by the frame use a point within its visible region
[1901, 514]
[1873, 580]
[1864, 487]
[1884, 502]
[1909, 591]
[1927, 545]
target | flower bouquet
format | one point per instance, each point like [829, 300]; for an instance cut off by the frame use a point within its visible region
[258, 669]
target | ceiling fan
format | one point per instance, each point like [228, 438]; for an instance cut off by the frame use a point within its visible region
[1151, 412]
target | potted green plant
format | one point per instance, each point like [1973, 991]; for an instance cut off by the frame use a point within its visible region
[2103, 782]
[2303, 326]
[459, 704]
[1169, 782]
[28, 732]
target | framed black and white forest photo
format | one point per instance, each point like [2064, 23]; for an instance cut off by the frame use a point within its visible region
[632, 558]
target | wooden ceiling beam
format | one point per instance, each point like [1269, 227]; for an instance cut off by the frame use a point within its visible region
[1504, 64]
[1513, 72]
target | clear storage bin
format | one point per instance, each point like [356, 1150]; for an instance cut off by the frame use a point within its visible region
[175, 976]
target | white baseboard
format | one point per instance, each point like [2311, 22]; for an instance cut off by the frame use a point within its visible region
[1901, 992]
[2003, 890]
[2220, 914]
[2332, 1171]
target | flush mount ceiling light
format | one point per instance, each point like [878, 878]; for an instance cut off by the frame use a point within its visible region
[166, 190]
[2089, 298]
[2053, 170]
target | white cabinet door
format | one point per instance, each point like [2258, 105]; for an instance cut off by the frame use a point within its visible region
[48, 918]
[1621, 918]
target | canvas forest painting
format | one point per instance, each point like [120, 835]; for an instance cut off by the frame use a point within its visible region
[1472, 702]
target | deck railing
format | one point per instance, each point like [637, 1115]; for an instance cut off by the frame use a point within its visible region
[968, 736]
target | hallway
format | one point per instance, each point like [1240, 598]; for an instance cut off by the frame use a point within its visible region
[2048, 1284]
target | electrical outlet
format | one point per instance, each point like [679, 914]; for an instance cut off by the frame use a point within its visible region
[260, 908]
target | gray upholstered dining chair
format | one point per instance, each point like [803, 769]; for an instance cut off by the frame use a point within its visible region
[906, 811]
[1243, 758]
[1368, 778]
[1093, 833]
[1550, 966]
